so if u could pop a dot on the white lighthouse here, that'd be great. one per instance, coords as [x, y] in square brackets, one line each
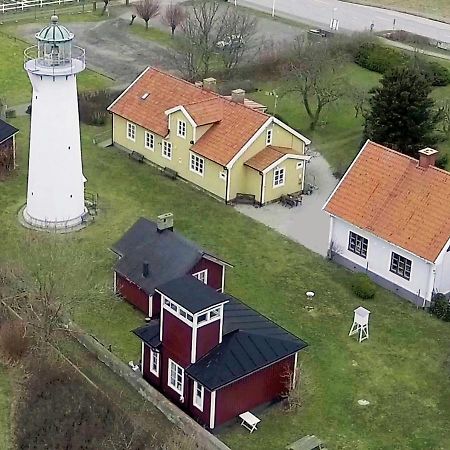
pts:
[55, 195]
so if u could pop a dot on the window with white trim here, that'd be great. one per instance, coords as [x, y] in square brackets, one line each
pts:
[357, 244]
[269, 136]
[278, 177]
[208, 316]
[197, 164]
[202, 276]
[149, 140]
[181, 128]
[167, 149]
[401, 266]
[131, 131]
[178, 310]
[154, 362]
[175, 378]
[199, 395]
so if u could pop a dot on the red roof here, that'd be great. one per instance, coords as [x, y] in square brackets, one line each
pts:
[233, 126]
[267, 156]
[388, 194]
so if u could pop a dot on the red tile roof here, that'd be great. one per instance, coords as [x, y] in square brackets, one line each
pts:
[220, 143]
[388, 194]
[267, 156]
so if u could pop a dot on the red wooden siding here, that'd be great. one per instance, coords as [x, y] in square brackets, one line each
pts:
[168, 391]
[256, 389]
[156, 305]
[132, 293]
[177, 338]
[214, 272]
[149, 376]
[200, 416]
[207, 338]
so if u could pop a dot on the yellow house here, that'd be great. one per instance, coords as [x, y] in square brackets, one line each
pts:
[219, 144]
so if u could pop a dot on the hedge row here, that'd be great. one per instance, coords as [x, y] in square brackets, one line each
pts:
[378, 58]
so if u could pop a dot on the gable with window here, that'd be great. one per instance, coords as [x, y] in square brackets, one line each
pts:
[181, 128]
[202, 276]
[149, 140]
[154, 362]
[131, 131]
[199, 395]
[197, 164]
[279, 177]
[167, 149]
[175, 377]
[357, 244]
[401, 266]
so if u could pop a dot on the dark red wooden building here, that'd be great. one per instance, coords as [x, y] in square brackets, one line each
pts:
[7, 147]
[214, 356]
[152, 253]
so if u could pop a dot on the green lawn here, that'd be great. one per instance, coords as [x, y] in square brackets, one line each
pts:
[154, 34]
[401, 370]
[15, 87]
[5, 408]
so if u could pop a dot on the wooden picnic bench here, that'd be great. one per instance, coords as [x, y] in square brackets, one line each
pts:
[246, 199]
[170, 173]
[249, 421]
[136, 156]
[291, 200]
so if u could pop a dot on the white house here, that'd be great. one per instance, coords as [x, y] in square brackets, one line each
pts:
[390, 217]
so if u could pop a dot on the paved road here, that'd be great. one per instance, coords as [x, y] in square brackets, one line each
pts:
[351, 17]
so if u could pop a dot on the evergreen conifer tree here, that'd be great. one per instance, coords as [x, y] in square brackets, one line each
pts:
[402, 115]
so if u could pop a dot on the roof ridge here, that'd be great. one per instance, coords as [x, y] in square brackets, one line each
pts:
[202, 101]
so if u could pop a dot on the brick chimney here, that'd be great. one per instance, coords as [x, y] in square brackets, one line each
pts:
[427, 157]
[210, 84]
[238, 95]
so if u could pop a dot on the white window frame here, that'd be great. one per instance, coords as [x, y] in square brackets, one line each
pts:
[210, 316]
[167, 145]
[197, 164]
[197, 400]
[269, 136]
[131, 131]
[179, 372]
[154, 354]
[181, 129]
[202, 276]
[357, 244]
[178, 311]
[401, 268]
[279, 170]
[149, 141]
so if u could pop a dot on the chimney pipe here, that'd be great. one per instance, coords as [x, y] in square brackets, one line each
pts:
[238, 96]
[198, 84]
[164, 222]
[210, 84]
[427, 157]
[145, 269]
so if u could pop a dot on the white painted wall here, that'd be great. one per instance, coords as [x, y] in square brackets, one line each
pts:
[442, 283]
[379, 258]
[55, 196]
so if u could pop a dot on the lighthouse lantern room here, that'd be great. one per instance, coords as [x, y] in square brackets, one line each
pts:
[55, 194]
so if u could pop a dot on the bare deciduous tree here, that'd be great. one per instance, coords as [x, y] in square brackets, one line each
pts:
[315, 74]
[173, 16]
[147, 9]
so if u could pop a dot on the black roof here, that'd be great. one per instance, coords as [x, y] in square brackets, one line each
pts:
[192, 294]
[149, 334]
[168, 254]
[251, 341]
[6, 130]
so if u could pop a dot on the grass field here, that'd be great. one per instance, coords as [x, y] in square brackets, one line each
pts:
[15, 87]
[5, 403]
[437, 9]
[401, 370]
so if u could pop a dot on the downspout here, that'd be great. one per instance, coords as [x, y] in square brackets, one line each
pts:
[226, 186]
[262, 189]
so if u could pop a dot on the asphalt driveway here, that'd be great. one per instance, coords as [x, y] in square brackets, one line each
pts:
[306, 223]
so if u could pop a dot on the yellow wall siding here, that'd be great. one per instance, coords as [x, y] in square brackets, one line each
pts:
[181, 154]
[281, 138]
[201, 131]
[292, 181]
[253, 180]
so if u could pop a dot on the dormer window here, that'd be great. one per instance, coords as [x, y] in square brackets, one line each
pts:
[269, 136]
[181, 128]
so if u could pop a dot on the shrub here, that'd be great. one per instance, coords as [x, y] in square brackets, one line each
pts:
[440, 307]
[377, 58]
[14, 341]
[442, 162]
[92, 106]
[363, 286]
